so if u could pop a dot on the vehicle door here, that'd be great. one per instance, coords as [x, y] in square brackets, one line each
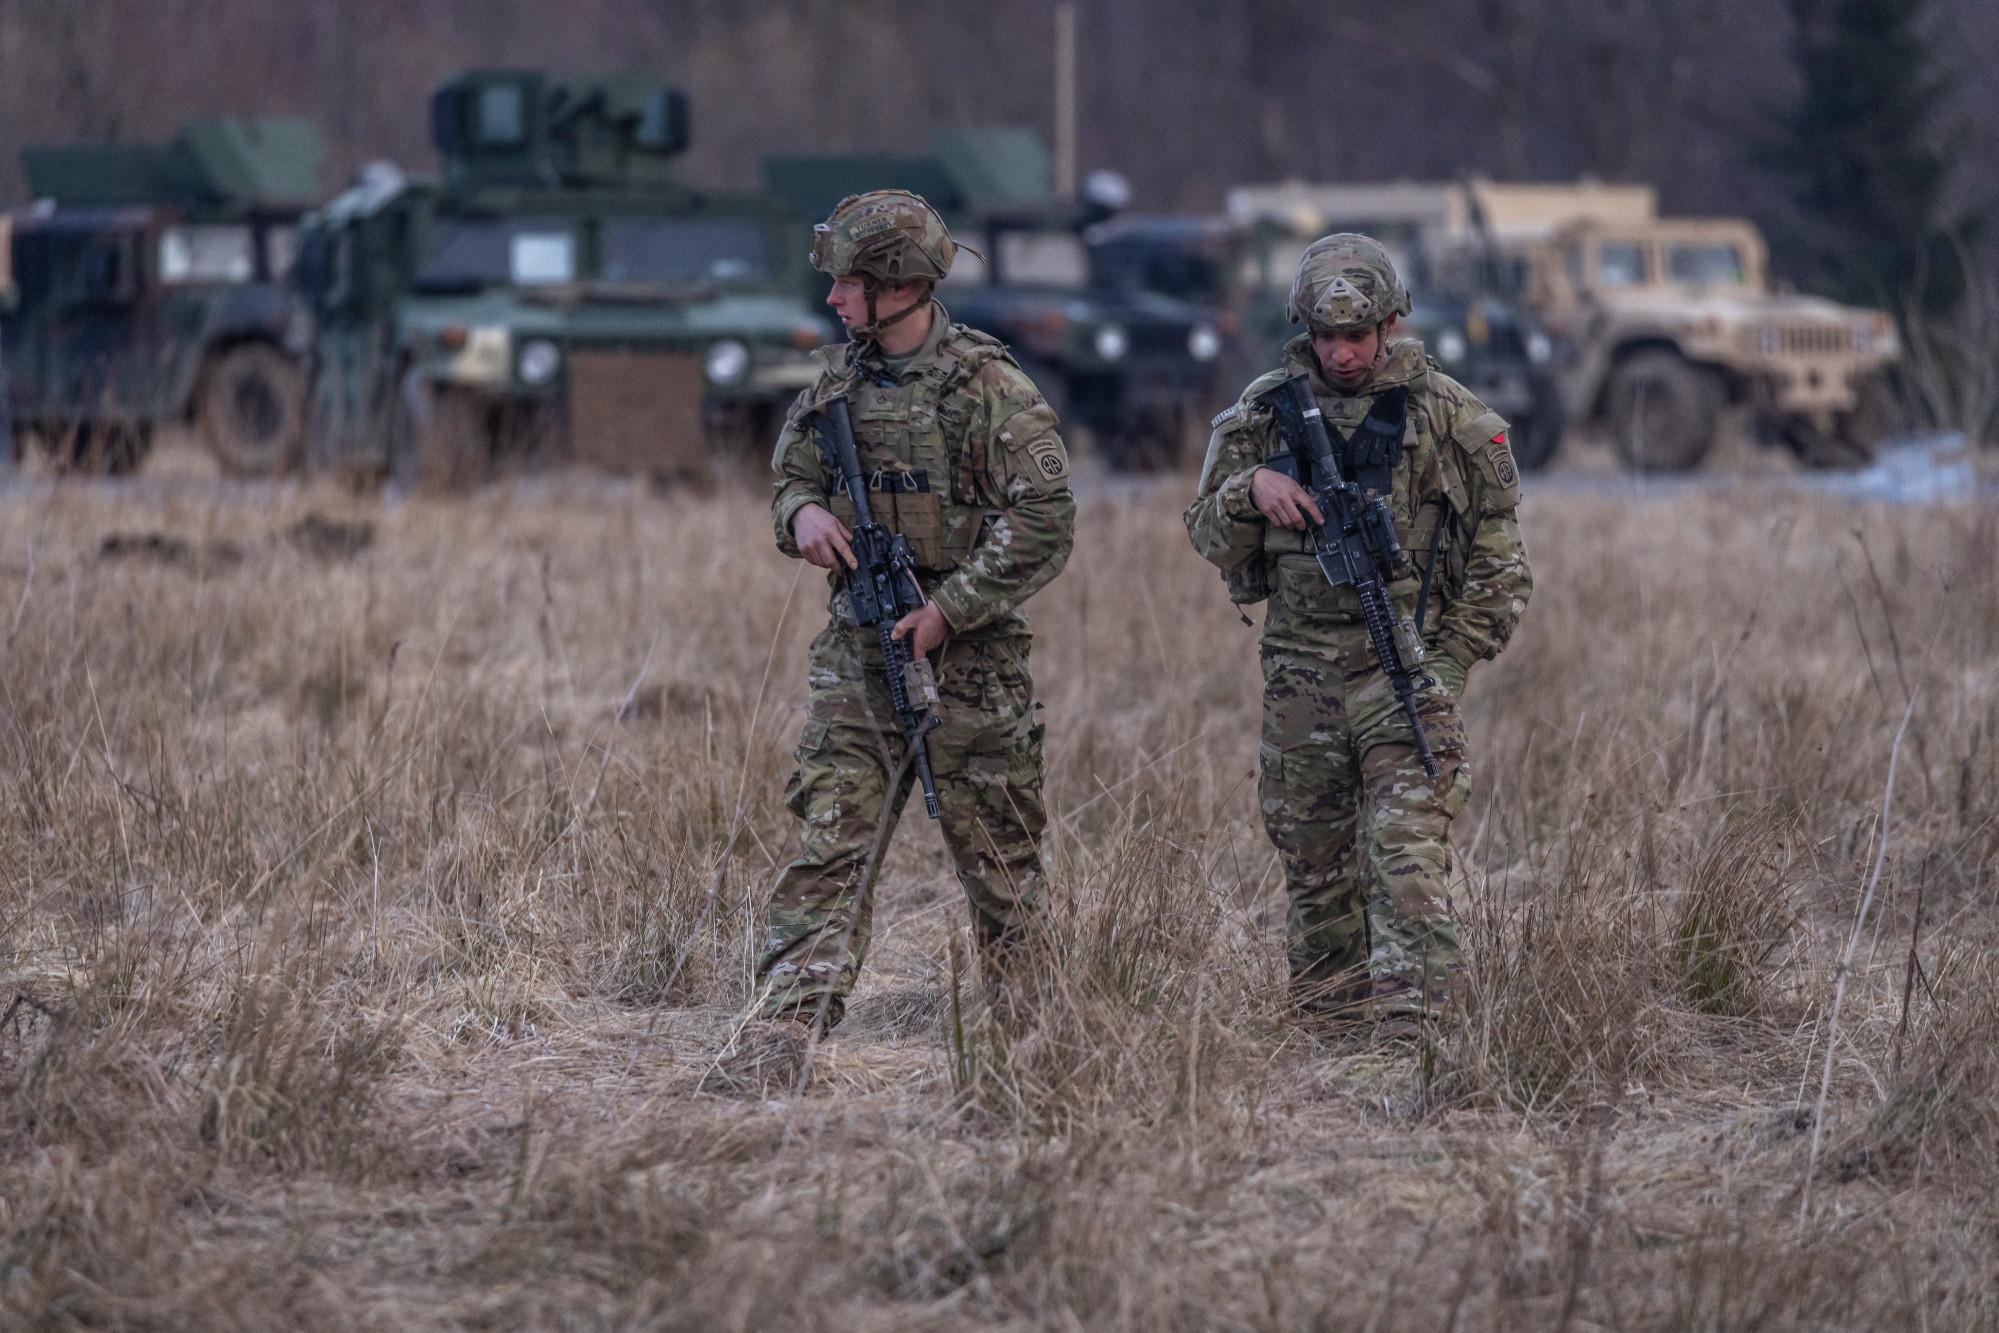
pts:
[83, 354]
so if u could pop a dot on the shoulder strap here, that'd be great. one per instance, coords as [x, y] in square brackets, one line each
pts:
[963, 353]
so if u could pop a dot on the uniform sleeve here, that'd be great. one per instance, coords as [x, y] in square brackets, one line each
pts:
[1223, 522]
[1497, 579]
[795, 462]
[1025, 546]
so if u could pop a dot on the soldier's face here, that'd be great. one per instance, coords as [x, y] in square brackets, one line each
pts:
[1349, 356]
[849, 299]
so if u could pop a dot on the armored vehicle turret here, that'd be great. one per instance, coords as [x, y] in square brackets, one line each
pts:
[555, 293]
[148, 290]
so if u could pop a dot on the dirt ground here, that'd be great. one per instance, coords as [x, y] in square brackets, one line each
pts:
[379, 879]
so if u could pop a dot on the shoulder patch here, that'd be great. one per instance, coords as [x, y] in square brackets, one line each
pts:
[1049, 460]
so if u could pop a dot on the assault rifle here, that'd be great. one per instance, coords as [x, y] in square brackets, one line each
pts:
[882, 591]
[1356, 545]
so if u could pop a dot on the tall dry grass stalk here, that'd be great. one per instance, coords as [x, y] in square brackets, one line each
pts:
[377, 907]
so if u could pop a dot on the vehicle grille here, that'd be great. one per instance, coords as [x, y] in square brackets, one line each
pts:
[1801, 340]
[1504, 342]
[637, 411]
[1164, 340]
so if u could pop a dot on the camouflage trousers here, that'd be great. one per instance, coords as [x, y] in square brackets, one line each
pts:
[985, 754]
[1362, 831]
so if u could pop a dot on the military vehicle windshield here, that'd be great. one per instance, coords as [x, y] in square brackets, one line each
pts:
[685, 250]
[1044, 258]
[1621, 264]
[1706, 263]
[968, 270]
[1185, 273]
[521, 252]
[193, 255]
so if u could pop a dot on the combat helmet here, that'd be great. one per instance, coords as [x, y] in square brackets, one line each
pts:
[1345, 281]
[888, 235]
[883, 236]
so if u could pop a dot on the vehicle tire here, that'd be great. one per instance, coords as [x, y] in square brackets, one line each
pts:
[1854, 435]
[1840, 449]
[252, 411]
[1663, 411]
[1537, 432]
[437, 441]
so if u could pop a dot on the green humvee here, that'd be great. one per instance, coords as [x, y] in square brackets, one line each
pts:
[557, 294]
[147, 290]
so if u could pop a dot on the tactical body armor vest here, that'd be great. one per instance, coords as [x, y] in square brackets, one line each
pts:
[1389, 443]
[928, 469]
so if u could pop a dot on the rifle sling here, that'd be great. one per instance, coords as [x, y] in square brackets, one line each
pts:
[1430, 565]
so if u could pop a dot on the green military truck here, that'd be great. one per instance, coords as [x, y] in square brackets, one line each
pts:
[556, 295]
[1135, 369]
[149, 291]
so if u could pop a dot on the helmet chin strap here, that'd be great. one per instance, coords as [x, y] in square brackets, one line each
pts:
[872, 329]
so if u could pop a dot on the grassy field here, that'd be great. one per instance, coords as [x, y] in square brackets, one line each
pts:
[375, 902]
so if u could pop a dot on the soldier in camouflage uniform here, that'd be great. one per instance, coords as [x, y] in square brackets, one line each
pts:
[1362, 832]
[964, 462]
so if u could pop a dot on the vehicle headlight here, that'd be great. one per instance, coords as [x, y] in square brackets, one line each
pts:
[1112, 342]
[728, 362]
[1540, 348]
[1204, 344]
[1863, 340]
[1771, 341]
[538, 361]
[1451, 346]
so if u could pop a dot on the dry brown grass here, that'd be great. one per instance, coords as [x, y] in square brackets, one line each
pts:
[378, 911]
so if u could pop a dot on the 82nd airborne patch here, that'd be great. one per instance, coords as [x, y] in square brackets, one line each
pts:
[1048, 461]
[1502, 461]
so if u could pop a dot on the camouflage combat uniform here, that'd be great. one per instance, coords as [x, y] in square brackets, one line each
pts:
[1362, 832]
[965, 463]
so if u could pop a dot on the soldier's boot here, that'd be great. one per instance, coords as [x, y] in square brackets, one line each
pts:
[1013, 967]
[1401, 1010]
[766, 1056]
[1329, 1001]
[814, 1014]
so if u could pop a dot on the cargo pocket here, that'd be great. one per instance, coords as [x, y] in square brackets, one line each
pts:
[1303, 592]
[811, 744]
[1004, 772]
[1269, 777]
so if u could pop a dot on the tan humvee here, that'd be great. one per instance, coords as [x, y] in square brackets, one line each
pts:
[1669, 320]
